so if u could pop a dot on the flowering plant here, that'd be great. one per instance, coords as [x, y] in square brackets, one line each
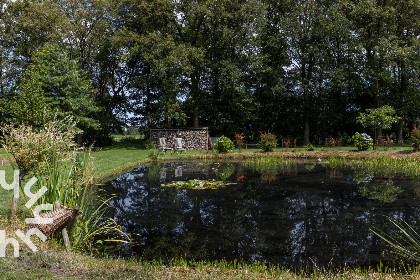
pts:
[197, 184]
[362, 141]
[239, 139]
[223, 144]
[268, 141]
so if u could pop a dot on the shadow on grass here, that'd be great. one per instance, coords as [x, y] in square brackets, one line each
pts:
[407, 152]
[125, 144]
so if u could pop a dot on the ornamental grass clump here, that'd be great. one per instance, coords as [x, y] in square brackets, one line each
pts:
[50, 155]
[34, 149]
[268, 141]
[223, 144]
[362, 141]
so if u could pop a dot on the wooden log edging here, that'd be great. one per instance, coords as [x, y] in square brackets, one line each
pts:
[60, 216]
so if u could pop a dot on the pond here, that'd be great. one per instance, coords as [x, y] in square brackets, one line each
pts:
[300, 214]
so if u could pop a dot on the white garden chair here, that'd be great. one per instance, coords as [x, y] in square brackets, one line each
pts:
[163, 146]
[178, 145]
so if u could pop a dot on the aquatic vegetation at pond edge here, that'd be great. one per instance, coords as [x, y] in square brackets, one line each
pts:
[267, 161]
[269, 166]
[405, 239]
[197, 184]
[384, 164]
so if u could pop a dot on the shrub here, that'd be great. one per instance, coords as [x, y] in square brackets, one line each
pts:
[239, 139]
[309, 147]
[223, 144]
[34, 149]
[362, 141]
[268, 141]
[415, 138]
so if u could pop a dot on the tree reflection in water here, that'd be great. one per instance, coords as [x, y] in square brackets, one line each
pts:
[309, 217]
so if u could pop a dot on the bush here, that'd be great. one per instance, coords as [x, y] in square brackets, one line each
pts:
[239, 139]
[309, 147]
[268, 141]
[34, 149]
[362, 141]
[415, 138]
[223, 144]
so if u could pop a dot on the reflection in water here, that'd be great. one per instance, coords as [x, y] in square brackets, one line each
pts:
[311, 216]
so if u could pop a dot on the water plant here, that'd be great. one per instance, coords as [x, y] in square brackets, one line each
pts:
[197, 184]
[69, 183]
[269, 167]
[404, 239]
[379, 164]
[223, 144]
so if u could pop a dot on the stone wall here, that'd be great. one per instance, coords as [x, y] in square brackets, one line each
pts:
[192, 138]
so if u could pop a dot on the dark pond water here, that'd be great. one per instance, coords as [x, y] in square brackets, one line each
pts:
[301, 215]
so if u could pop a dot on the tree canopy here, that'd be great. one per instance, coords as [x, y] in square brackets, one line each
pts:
[300, 69]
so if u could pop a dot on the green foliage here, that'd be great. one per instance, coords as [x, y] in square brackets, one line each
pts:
[309, 147]
[197, 184]
[228, 64]
[35, 149]
[30, 106]
[268, 167]
[268, 141]
[415, 138]
[362, 141]
[239, 139]
[383, 117]
[404, 239]
[154, 155]
[53, 85]
[223, 144]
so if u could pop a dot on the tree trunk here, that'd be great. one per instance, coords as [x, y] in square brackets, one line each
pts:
[306, 133]
[400, 140]
[195, 95]
[196, 118]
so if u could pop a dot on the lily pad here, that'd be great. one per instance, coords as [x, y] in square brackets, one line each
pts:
[198, 184]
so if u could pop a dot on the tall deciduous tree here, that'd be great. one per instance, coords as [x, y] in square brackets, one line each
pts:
[55, 82]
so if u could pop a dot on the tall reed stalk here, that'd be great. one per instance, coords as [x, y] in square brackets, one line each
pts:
[404, 239]
[69, 181]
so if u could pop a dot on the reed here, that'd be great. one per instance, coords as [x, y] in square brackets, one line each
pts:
[385, 164]
[404, 239]
[69, 181]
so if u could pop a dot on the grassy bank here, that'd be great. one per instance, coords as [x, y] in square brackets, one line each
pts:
[50, 264]
[123, 156]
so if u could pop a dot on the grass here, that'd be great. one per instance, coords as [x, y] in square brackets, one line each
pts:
[128, 153]
[69, 265]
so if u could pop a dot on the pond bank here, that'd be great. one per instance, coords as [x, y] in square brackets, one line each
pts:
[50, 264]
[111, 162]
